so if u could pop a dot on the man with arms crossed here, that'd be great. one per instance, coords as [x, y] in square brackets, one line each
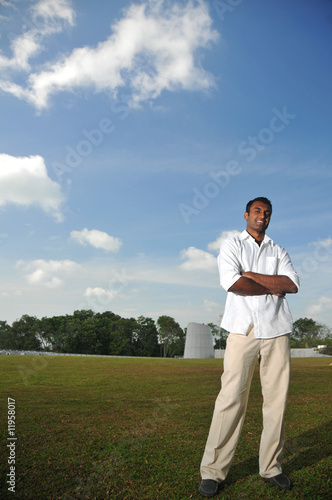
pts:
[257, 274]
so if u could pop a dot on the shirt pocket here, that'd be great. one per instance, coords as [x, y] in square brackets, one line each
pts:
[271, 265]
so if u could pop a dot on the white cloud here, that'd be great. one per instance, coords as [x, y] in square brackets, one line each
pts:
[215, 245]
[198, 260]
[210, 305]
[24, 181]
[46, 273]
[100, 294]
[46, 13]
[96, 238]
[323, 304]
[47, 18]
[151, 49]
[322, 243]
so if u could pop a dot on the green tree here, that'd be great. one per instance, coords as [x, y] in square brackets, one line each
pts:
[104, 326]
[121, 336]
[25, 333]
[328, 342]
[308, 333]
[50, 332]
[7, 340]
[171, 336]
[145, 337]
[219, 336]
[81, 332]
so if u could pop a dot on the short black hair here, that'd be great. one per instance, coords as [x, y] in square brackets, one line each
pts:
[259, 198]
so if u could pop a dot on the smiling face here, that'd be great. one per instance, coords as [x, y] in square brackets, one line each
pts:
[258, 219]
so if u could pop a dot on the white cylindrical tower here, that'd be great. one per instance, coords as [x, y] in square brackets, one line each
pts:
[199, 341]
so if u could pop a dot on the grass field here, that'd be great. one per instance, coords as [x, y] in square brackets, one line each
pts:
[129, 428]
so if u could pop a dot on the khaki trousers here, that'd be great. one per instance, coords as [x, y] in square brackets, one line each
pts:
[239, 362]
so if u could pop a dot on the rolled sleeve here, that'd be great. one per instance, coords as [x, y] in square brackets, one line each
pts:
[228, 264]
[286, 268]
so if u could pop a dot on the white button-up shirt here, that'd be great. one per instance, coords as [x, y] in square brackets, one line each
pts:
[268, 314]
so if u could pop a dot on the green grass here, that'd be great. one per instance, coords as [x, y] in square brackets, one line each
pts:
[126, 428]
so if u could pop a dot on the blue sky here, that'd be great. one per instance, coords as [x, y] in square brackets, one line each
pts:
[132, 135]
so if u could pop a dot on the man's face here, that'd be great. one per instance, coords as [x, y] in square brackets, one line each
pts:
[258, 218]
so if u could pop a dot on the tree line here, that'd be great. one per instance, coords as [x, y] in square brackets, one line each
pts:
[107, 333]
[87, 332]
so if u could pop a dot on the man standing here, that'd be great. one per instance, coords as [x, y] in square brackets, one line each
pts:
[257, 274]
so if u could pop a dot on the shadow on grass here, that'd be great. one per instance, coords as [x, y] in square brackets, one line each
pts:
[302, 451]
[308, 448]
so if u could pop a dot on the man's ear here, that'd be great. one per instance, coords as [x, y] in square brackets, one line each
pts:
[246, 215]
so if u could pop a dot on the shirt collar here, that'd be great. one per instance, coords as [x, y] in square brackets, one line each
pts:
[245, 235]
